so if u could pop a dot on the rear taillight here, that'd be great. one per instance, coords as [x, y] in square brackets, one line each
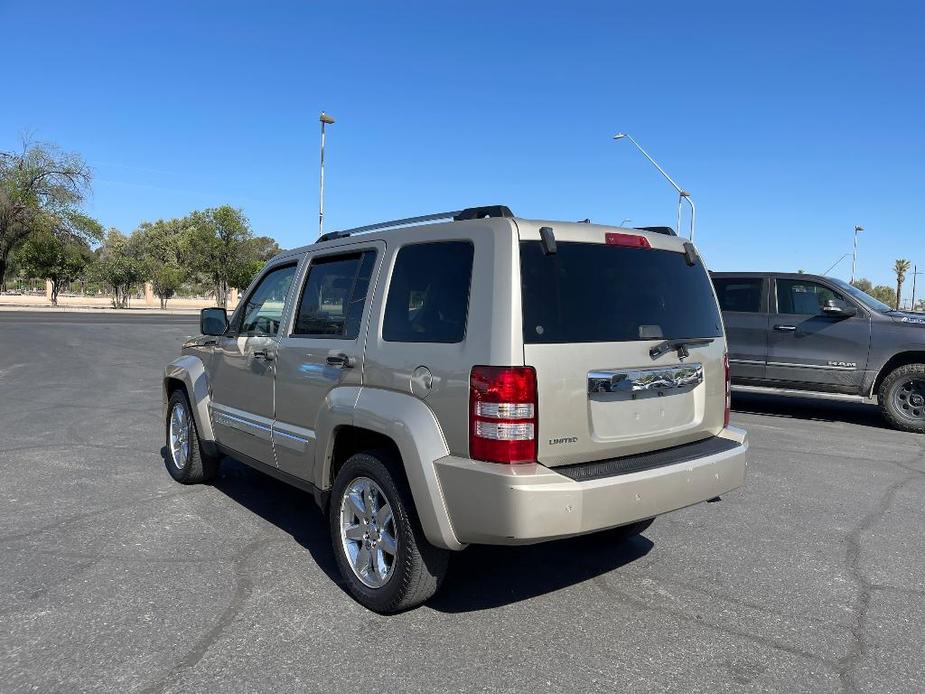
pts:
[614, 238]
[502, 414]
[728, 413]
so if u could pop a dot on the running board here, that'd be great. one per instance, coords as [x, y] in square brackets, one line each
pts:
[793, 392]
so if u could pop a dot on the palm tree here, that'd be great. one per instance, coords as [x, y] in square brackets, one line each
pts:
[900, 268]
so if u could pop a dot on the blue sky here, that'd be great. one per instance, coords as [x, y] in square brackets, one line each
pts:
[790, 122]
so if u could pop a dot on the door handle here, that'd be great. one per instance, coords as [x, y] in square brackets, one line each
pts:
[264, 354]
[785, 328]
[341, 361]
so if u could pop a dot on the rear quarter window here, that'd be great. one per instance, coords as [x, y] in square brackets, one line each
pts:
[739, 294]
[429, 293]
[589, 292]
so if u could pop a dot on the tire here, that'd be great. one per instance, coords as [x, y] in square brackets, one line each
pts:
[387, 581]
[625, 532]
[901, 397]
[188, 464]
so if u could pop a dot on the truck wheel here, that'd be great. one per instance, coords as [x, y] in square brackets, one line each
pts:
[380, 549]
[902, 398]
[625, 532]
[186, 461]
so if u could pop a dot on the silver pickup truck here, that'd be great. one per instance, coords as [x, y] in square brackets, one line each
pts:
[475, 379]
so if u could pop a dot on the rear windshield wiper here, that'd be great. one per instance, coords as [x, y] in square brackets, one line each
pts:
[680, 345]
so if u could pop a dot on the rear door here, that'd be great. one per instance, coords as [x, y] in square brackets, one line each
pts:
[744, 303]
[809, 349]
[592, 312]
[323, 349]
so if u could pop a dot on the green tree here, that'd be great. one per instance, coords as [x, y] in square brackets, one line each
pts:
[119, 264]
[41, 190]
[881, 292]
[220, 245]
[160, 245]
[900, 267]
[50, 257]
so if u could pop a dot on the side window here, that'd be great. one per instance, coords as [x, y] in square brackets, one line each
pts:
[263, 310]
[429, 293]
[334, 295]
[742, 294]
[802, 298]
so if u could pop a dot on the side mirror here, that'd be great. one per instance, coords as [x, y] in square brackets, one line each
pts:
[838, 309]
[213, 321]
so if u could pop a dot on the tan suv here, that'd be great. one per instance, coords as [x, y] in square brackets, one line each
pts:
[484, 379]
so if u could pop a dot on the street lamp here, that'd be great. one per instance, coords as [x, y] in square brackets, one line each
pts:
[854, 254]
[682, 194]
[325, 120]
[915, 273]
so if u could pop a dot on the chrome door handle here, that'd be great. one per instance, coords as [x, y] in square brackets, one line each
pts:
[263, 354]
[341, 361]
[785, 328]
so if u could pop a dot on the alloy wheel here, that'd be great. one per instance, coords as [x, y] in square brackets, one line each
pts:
[909, 398]
[179, 435]
[367, 532]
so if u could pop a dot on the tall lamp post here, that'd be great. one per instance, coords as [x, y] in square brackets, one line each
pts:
[854, 254]
[325, 120]
[915, 273]
[682, 194]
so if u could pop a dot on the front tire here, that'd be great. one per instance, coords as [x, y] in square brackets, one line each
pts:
[386, 562]
[186, 461]
[902, 398]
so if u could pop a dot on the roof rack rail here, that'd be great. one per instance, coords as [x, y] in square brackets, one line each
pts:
[456, 215]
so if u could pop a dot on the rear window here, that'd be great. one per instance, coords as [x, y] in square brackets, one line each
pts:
[740, 294]
[590, 292]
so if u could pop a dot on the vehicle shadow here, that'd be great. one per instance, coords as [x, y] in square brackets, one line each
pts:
[810, 409]
[290, 509]
[481, 577]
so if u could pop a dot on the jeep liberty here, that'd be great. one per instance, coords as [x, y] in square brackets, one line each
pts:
[463, 378]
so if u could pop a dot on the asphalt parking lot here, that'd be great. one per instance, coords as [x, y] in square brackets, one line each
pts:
[113, 578]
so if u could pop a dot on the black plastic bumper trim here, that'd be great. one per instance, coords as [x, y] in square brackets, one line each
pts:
[598, 469]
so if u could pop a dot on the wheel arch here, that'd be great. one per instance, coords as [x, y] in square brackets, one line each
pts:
[405, 426]
[188, 372]
[904, 358]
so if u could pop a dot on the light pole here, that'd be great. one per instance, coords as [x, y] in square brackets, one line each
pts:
[682, 194]
[325, 120]
[915, 273]
[854, 254]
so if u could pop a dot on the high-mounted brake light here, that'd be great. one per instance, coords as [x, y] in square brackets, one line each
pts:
[502, 414]
[728, 413]
[613, 238]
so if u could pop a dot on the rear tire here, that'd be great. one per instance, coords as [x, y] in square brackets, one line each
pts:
[186, 460]
[386, 562]
[901, 397]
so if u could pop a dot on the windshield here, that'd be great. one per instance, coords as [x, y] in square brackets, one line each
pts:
[589, 292]
[863, 297]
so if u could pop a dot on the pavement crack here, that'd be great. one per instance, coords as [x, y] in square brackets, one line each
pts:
[96, 512]
[636, 602]
[858, 647]
[243, 588]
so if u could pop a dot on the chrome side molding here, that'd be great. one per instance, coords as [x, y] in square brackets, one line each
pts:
[645, 379]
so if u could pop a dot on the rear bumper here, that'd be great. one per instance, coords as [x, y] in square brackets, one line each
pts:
[490, 503]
